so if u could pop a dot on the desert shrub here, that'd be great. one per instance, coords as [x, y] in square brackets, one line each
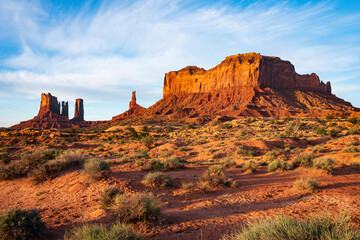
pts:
[334, 132]
[187, 185]
[244, 152]
[117, 231]
[213, 177]
[4, 157]
[303, 160]
[329, 117]
[19, 224]
[13, 170]
[353, 120]
[172, 163]
[137, 207]
[353, 131]
[158, 179]
[278, 165]
[292, 129]
[93, 168]
[133, 132]
[108, 195]
[250, 165]
[286, 228]
[148, 141]
[153, 165]
[64, 161]
[351, 149]
[318, 148]
[320, 131]
[141, 154]
[190, 126]
[228, 162]
[324, 163]
[34, 158]
[306, 183]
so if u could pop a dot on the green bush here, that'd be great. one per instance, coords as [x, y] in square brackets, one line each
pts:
[118, 231]
[250, 165]
[303, 160]
[19, 224]
[324, 163]
[108, 195]
[278, 165]
[137, 207]
[158, 179]
[93, 168]
[351, 149]
[320, 131]
[306, 183]
[13, 170]
[353, 120]
[286, 228]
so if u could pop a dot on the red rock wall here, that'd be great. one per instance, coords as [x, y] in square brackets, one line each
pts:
[250, 70]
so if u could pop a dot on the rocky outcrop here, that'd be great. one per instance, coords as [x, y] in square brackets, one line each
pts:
[134, 109]
[79, 110]
[242, 71]
[54, 115]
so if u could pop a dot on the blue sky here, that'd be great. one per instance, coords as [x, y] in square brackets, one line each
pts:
[102, 50]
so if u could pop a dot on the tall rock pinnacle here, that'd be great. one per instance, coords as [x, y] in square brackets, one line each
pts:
[79, 110]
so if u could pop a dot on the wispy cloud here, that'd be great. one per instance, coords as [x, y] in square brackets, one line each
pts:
[123, 45]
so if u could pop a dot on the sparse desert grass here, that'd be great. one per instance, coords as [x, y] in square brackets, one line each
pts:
[244, 152]
[21, 224]
[137, 207]
[108, 195]
[117, 231]
[278, 165]
[158, 179]
[306, 184]
[93, 168]
[287, 228]
[187, 185]
[324, 163]
[250, 165]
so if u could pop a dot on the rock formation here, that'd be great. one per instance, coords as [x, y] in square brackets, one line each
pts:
[65, 109]
[54, 115]
[134, 109]
[79, 110]
[246, 85]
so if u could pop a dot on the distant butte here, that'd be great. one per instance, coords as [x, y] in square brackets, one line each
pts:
[242, 85]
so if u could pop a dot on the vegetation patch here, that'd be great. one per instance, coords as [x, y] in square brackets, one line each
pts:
[117, 231]
[306, 184]
[158, 179]
[21, 224]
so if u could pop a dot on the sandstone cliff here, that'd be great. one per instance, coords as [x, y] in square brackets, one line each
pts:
[242, 71]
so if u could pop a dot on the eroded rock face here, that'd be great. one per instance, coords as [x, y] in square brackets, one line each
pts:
[242, 71]
[65, 109]
[134, 109]
[49, 103]
[132, 103]
[79, 110]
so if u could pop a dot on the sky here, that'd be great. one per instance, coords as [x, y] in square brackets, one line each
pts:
[100, 51]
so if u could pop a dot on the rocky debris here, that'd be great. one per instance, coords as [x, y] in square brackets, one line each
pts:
[79, 110]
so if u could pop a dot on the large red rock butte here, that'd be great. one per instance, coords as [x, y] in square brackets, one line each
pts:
[246, 85]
